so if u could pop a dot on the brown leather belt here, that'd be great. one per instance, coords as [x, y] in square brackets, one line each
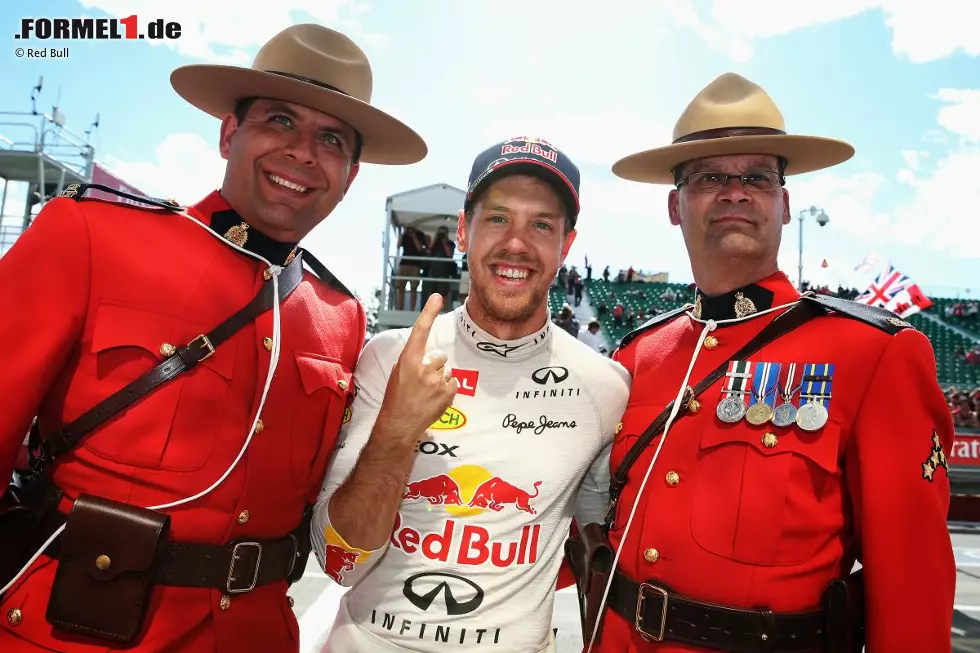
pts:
[233, 568]
[658, 614]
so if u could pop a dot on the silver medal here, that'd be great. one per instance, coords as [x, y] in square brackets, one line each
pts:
[784, 415]
[811, 416]
[731, 409]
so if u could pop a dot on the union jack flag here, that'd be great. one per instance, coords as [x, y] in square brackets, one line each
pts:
[895, 291]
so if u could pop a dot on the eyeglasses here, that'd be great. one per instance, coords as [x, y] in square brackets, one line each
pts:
[712, 182]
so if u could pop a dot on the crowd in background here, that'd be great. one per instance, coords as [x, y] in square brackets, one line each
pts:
[965, 407]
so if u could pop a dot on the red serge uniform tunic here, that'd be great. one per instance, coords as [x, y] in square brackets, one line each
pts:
[90, 294]
[761, 516]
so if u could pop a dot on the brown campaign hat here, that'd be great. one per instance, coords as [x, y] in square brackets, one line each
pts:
[313, 66]
[732, 116]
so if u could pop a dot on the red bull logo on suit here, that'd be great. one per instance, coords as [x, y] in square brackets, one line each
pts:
[468, 491]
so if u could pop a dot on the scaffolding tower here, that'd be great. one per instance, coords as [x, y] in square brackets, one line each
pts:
[37, 149]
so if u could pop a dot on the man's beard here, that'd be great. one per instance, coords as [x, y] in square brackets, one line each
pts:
[506, 310]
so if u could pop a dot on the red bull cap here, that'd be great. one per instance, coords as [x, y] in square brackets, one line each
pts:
[526, 155]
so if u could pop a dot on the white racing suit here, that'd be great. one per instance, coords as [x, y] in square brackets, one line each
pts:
[474, 555]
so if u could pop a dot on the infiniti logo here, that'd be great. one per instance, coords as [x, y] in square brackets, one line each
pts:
[555, 373]
[445, 587]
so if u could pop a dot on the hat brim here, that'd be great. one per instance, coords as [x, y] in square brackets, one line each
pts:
[216, 89]
[803, 153]
[545, 173]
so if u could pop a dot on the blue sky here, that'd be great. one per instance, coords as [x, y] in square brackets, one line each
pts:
[899, 79]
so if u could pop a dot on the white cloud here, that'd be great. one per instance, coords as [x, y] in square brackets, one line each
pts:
[184, 166]
[939, 214]
[229, 31]
[962, 113]
[921, 31]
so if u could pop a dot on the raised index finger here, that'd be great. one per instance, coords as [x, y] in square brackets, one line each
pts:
[415, 347]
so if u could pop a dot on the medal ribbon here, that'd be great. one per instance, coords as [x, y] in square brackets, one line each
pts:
[817, 382]
[764, 383]
[787, 376]
[737, 379]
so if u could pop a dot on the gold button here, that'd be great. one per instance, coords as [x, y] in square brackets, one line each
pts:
[342, 384]
[267, 274]
[619, 427]
[769, 440]
[14, 617]
[673, 478]
[225, 602]
[103, 562]
[710, 342]
[243, 517]
[267, 343]
[259, 427]
[166, 349]
[651, 555]
[291, 601]
[694, 406]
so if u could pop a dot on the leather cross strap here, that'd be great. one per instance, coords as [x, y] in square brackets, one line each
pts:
[185, 358]
[659, 614]
[791, 319]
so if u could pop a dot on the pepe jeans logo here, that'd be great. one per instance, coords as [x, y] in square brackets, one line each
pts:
[543, 424]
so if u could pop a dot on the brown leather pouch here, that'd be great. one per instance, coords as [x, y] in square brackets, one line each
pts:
[105, 571]
[590, 558]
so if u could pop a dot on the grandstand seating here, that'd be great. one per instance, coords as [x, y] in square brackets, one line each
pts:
[556, 299]
[971, 324]
[951, 371]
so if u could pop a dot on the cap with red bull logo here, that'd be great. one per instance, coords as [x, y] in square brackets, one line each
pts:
[528, 155]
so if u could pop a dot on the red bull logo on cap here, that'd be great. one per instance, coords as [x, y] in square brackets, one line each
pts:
[530, 139]
[530, 148]
[468, 491]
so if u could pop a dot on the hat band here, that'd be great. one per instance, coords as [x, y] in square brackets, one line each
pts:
[308, 81]
[729, 132]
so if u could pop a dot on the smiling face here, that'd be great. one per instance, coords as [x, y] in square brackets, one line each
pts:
[740, 224]
[288, 166]
[516, 240]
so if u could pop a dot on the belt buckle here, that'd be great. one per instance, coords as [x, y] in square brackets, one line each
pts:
[640, 598]
[231, 568]
[202, 342]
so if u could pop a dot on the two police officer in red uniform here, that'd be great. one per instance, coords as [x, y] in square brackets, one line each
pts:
[189, 370]
[739, 523]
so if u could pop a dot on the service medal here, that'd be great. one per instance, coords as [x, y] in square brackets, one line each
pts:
[812, 416]
[758, 413]
[784, 415]
[731, 409]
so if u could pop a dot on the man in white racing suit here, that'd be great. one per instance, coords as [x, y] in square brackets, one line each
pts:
[473, 438]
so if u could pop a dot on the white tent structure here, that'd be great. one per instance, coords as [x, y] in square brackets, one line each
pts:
[425, 209]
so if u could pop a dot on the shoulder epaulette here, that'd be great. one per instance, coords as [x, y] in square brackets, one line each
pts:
[325, 275]
[876, 316]
[77, 193]
[652, 322]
